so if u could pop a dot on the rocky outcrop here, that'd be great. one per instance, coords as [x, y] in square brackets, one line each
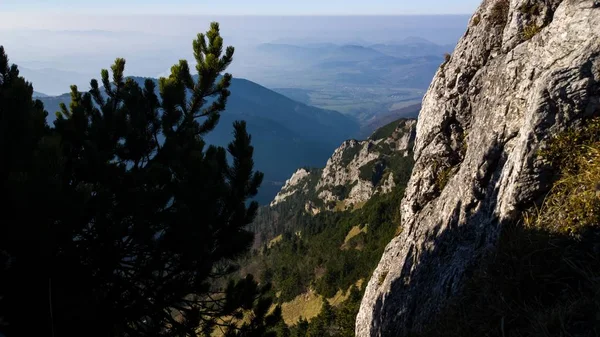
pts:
[291, 186]
[354, 173]
[355, 165]
[523, 71]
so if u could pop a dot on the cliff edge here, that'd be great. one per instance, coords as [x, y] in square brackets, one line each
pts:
[523, 71]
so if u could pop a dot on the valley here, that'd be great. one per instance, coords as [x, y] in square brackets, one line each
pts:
[319, 239]
[339, 92]
[298, 173]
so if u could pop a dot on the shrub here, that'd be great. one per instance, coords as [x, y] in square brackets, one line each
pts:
[530, 31]
[499, 13]
[476, 20]
[387, 130]
[447, 58]
[367, 170]
[530, 9]
[372, 171]
[444, 173]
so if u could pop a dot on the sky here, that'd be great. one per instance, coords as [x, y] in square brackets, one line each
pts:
[242, 7]
[53, 40]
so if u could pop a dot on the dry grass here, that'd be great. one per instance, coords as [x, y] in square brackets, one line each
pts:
[359, 205]
[342, 296]
[275, 240]
[530, 31]
[339, 298]
[574, 201]
[382, 277]
[307, 305]
[399, 230]
[354, 231]
[544, 278]
[340, 206]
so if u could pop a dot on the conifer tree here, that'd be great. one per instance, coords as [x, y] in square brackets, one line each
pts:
[125, 217]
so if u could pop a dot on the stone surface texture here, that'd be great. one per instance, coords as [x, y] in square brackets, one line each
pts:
[518, 76]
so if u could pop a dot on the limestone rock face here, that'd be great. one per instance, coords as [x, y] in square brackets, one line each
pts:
[290, 187]
[354, 173]
[523, 71]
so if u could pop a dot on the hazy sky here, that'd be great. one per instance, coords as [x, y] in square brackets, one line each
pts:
[69, 40]
[243, 7]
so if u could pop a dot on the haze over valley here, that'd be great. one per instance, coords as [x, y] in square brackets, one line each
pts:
[352, 73]
[268, 168]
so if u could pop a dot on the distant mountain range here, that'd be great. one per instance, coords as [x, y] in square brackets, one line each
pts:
[39, 94]
[409, 63]
[377, 121]
[54, 81]
[286, 134]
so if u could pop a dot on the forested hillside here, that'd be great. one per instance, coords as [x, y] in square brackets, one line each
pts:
[321, 237]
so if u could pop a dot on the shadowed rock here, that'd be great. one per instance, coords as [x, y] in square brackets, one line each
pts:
[518, 76]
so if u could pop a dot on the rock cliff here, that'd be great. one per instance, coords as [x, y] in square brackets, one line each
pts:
[523, 71]
[356, 171]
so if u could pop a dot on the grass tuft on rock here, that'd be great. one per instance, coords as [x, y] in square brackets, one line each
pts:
[543, 279]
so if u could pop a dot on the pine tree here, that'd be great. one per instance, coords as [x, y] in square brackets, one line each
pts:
[301, 328]
[133, 216]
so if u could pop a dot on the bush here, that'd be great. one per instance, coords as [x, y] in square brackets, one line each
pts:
[499, 14]
[530, 9]
[447, 58]
[530, 31]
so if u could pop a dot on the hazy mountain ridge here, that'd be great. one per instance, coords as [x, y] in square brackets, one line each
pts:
[368, 63]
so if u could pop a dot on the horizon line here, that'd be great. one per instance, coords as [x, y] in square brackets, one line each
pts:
[235, 15]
